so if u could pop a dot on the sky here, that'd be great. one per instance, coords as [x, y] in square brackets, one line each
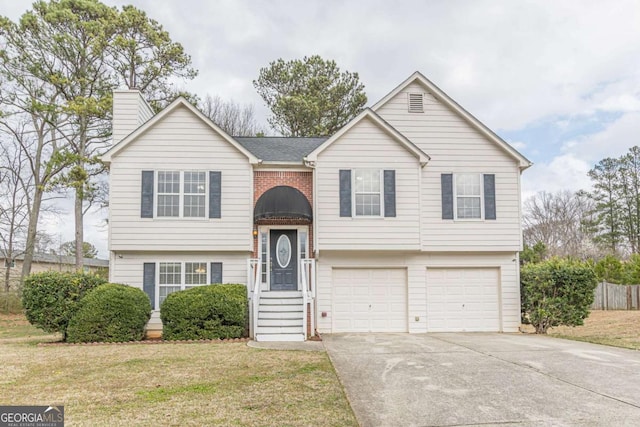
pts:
[558, 80]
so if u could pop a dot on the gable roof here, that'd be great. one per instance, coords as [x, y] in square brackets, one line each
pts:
[464, 114]
[390, 130]
[60, 259]
[280, 149]
[115, 149]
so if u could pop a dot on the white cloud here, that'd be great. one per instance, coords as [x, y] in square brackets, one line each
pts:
[563, 172]
[613, 141]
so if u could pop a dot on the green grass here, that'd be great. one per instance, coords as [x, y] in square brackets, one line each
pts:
[16, 326]
[211, 384]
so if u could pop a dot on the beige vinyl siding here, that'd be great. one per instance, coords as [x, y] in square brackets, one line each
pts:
[456, 147]
[417, 266]
[127, 268]
[366, 146]
[130, 112]
[180, 142]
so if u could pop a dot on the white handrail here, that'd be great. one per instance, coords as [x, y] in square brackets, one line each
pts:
[307, 266]
[255, 280]
[303, 279]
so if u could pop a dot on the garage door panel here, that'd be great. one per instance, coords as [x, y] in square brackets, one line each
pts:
[369, 300]
[463, 299]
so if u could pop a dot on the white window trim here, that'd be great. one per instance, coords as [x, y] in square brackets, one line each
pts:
[353, 193]
[181, 195]
[183, 276]
[455, 197]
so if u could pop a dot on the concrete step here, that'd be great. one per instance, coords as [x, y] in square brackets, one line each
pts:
[279, 322]
[279, 337]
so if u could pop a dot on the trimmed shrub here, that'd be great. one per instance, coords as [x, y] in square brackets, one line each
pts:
[50, 299]
[110, 313]
[556, 292]
[205, 312]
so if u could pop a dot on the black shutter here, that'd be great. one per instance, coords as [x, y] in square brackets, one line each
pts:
[216, 272]
[390, 193]
[345, 193]
[215, 194]
[489, 196]
[146, 201]
[149, 282]
[446, 182]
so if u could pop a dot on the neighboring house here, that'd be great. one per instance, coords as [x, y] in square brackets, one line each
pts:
[50, 262]
[405, 220]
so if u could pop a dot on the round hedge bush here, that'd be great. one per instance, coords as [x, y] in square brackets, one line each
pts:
[51, 299]
[110, 313]
[205, 312]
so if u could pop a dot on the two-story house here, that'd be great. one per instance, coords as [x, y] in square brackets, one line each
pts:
[408, 219]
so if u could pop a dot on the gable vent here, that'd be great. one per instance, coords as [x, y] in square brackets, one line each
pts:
[416, 103]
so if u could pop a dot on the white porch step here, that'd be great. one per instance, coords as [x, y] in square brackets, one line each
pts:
[279, 337]
[279, 330]
[279, 308]
[281, 301]
[279, 322]
[278, 314]
[281, 294]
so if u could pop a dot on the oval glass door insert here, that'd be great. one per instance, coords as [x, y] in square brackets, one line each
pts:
[283, 251]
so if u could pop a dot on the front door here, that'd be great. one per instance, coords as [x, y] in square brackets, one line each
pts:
[284, 260]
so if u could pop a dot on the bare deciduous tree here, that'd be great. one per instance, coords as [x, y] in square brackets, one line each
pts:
[561, 221]
[234, 119]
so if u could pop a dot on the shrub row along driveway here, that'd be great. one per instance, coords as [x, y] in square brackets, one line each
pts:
[469, 379]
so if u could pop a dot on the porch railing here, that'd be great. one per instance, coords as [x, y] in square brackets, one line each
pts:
[254, 275]
[308, 288]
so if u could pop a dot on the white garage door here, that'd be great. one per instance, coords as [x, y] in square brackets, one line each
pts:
[463, 299]
[369, 300]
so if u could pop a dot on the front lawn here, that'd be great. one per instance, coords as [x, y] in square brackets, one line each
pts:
[171, 384]
[617, 328]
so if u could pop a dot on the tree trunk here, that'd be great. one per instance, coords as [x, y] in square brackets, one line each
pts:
[79, 229]
[7, 275]
[31, 233]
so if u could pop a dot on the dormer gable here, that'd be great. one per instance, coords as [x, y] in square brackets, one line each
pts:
[415, 105]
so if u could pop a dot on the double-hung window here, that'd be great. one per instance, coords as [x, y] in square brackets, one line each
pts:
[194, 196]
[368, 192]
[169, 193]
[177, 276]
[468, 196]
[181, 194]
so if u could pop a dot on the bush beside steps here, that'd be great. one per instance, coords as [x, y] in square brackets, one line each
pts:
[205, 313]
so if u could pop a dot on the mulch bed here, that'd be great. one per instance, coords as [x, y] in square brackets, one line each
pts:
[144, 342]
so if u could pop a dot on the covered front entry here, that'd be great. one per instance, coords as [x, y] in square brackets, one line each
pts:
[369, 299]
[284, 260]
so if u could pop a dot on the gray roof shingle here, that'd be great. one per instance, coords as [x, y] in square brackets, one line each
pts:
[280, 149]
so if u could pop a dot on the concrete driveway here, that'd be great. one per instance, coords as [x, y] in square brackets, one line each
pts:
[485, 379]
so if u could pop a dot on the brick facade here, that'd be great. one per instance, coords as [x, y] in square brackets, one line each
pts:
[266, 180]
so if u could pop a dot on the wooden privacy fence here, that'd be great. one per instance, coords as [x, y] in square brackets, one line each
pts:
[609, 296]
